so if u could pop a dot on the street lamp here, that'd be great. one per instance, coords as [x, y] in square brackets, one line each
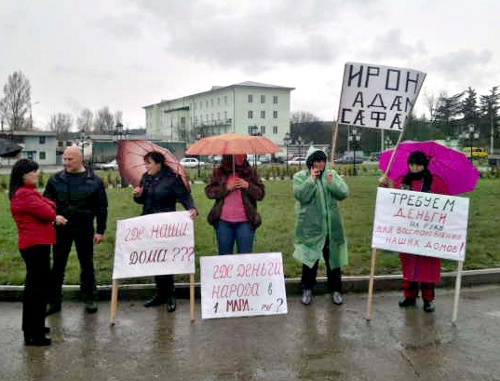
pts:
[469, 134]
[354, 139]
[286, 141]
[82, 137]
[300, 142]
[118, 135]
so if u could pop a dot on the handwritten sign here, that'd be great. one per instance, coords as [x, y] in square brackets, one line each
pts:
[421, 223]
[155, 244]
[242, 285]
[378, 96]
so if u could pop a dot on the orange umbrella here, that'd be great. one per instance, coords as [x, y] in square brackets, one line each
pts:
[131, 160]
[232, 144]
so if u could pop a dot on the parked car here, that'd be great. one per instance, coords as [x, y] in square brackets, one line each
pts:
[110, 166]
[264, 159]
[191, 162]
[477, 152]
[349, 160]
[297, 160]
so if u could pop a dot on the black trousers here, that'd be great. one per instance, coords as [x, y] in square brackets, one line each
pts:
[37, 259]
[165, 285]
[333, 276]
[85, 251]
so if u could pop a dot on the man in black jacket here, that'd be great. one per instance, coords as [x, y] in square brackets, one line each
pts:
[80, 197]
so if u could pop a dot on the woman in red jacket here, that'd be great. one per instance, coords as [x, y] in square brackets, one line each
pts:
[419, 270]
[34, 216]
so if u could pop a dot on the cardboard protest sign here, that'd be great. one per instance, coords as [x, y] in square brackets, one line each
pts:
[242, 285]
[155, 244]
[427, 224]
[378, 96]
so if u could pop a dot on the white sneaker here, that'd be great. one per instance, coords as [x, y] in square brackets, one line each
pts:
[307, 297]
[337, 298]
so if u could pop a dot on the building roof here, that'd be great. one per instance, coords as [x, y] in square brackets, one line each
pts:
[218, 88]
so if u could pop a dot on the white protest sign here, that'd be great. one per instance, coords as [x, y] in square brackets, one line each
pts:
[155, 244]
[427, 224]
[378, 96]
[242, 285]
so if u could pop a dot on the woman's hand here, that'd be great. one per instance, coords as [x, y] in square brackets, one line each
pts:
[61, 220]
[193, 213]
[242, 184]
[137, 191]
[384, 181]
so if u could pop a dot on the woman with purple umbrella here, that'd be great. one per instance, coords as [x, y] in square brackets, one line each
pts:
[417, 269]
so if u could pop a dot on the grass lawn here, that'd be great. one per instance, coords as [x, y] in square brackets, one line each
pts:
[276, 233]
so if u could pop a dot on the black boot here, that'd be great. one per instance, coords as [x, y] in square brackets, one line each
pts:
[37, 341]
[171, 303]
[429, 306]
[157, 300]
[407, 302]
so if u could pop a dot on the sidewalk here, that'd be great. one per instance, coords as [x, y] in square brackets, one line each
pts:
[350, 284]
[314, 343]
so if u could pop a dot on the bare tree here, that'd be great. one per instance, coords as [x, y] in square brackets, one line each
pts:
[104, 122]
[61, 123]
[302, 117]
[85, 120]
[17, 101]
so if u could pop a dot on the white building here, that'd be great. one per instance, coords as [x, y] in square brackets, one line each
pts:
[37, 145]
[245, 108]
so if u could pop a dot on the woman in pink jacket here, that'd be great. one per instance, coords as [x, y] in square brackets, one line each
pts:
[35, 216]
[418, 269]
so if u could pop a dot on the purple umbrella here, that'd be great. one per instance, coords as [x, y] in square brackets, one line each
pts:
[452, 166]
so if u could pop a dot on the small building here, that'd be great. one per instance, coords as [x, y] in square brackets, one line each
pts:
[37, 145]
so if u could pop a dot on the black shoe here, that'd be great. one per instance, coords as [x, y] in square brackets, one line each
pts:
[156, 301]
[171, 303]
[407, 302]
[337, 298]
[307, 297]
[37, 341]
[53, 308]
[91, 307]
[429, 306]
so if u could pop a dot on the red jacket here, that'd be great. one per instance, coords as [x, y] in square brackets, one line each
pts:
[34, 216]
[419, 268]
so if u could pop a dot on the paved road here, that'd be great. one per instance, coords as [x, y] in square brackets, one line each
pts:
[319, 342]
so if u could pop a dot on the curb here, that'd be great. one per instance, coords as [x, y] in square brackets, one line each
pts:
[470, 278]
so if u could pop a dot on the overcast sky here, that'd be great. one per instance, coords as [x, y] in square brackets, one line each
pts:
[127, 54]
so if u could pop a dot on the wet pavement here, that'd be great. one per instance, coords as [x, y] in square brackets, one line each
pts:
[318, 342]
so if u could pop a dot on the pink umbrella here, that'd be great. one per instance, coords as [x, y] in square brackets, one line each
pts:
[131, 160]
[452, 166]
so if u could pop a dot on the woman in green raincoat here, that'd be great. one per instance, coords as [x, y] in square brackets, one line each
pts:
[318, 225]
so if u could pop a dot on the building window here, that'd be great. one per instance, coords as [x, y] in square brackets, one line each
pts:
[262, 99]
[250, 114]
[250, 98]
[41, 139]
[206, 103]
[275, 130]
[60, 144]
[42, 155]
[263, 114]
[275, 99]
[225, 99]
[212, 102]
[218, 101]
[225, 115]
[218, 116]
[262, 130]
[201, 105]
[275, 114]
[68, 144]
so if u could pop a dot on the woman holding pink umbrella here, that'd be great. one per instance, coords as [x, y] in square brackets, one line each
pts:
[419, 270]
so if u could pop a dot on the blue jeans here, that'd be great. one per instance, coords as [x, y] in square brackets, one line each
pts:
[230, 232]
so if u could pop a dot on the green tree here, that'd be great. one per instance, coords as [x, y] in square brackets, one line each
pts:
[16, 101]
[490, 120]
